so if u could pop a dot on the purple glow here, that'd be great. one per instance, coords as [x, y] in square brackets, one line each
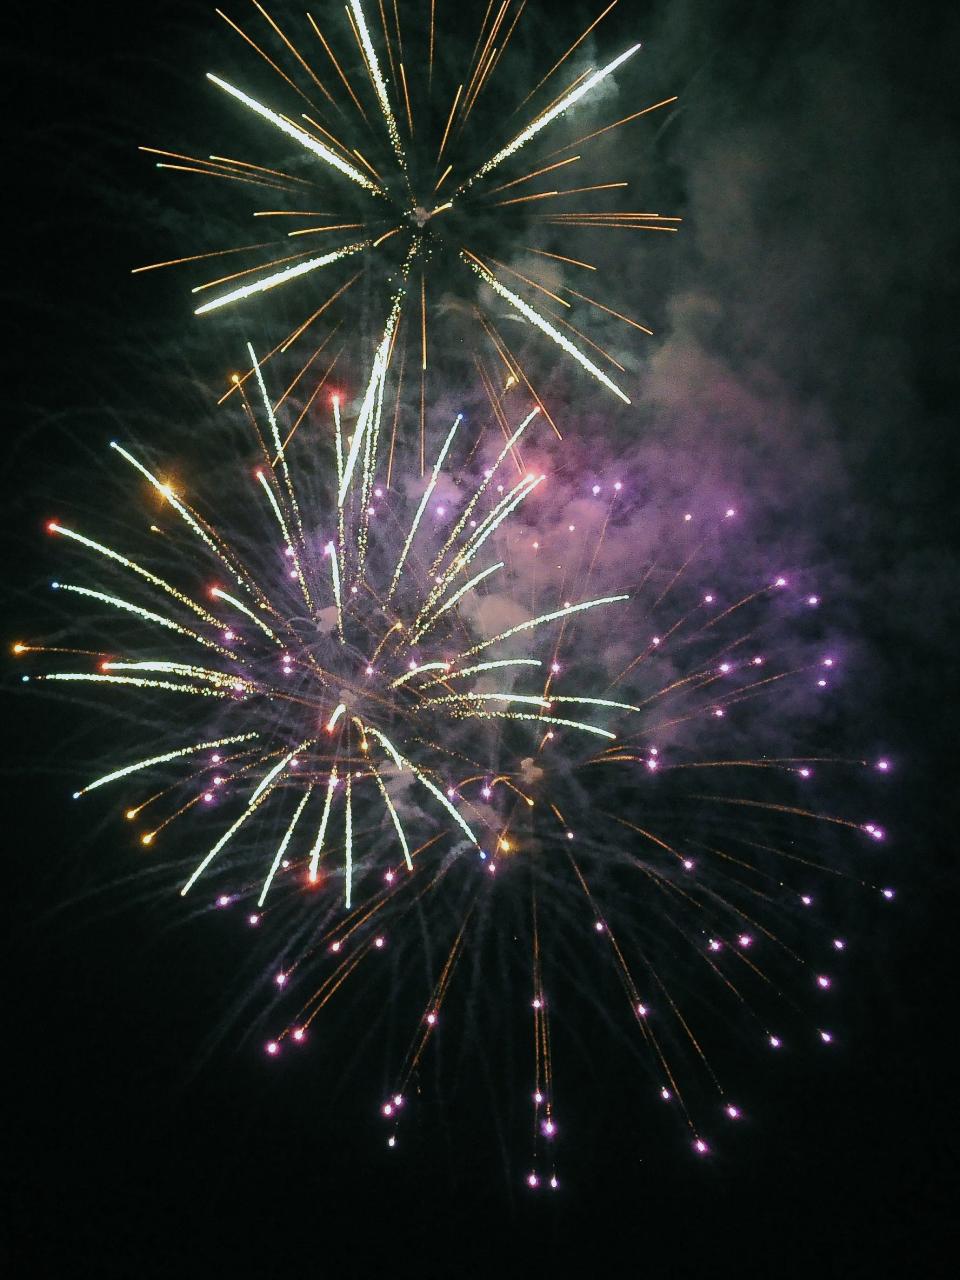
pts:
[642, 1010]
[533, 1180]
[700, 1147]
[254, 919]
[665, 1094]
[883, 765]
[745, 940]
[538, 1097]
[826, 1037]
[714, 945]
[549, 1128]
[775, 1042]
[732, 1111]
[273, 1048]
[553, 1181]
[887, 893]
[823, 981]
[839, 944]
[806, 899]
[813, 600]
[280, 979]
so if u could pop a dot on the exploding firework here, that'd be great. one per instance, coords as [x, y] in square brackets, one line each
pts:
[443, 701]
[414, 196]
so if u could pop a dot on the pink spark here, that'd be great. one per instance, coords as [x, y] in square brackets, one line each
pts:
[665, 1094]
[223, 901]
[378, 493]
[651, 764]
[730, 511]
[387, 1109]
[553, 1181]
[555, 668]
[538, 1097]
[389, 877]
[804, 773]
[724, 667]
[398, 1099]
[538, 1003]
[485, 793]
[732, 1111]
[380, 942]
[298, 1034]
[208, 796]
[533, 1180]
[549, 1128]
[369, 671]
[823, 981]
[596, 490]
[598, 926]
[883, 765]
[688, 864]
[806, 899]
[887, 893]
[617, 485]
[700, 1147]
[253, 919]
[391, 1141]
[718, 712]
[688, 516]
[826, 1037]
[335, 946]
[714, 945]
[745, 940]
[642, 1010]
[431, 1019]
[780, 582]
[708, 599]
[280, 979]
[813, 600]
[839, 944]
[273, 1048]
[215, 757]
[775, 1042]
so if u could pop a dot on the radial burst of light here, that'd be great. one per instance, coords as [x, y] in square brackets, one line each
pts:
[380, 153]
[369, 726]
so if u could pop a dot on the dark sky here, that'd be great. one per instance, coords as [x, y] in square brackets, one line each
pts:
[806, 357]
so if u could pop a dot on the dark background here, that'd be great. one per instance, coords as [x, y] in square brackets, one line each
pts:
[138, 1142]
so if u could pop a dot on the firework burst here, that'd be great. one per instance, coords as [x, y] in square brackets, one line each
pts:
[412, 197]
[442, 701]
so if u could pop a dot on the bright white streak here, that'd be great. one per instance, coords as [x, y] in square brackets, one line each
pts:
[544, 617]
[137, 683]
[532, 700]
[318, 843]
[570, 724]
[167, 756]
[348, 849]
[378, 80]
[282, 849]
[402, 763]
[152, 578]
[557, 109]
[338, 712]
[298, 135]
[408, 675]
[596, 702]
[166, 492]
[396, 820]
[272, 773]
[486, 666]
[462, 522]
[278, 448]
[141, 613]
[222, 595]
[335, 575]
[431, 622]
[546, 327]
[435, 474]
[281, 277]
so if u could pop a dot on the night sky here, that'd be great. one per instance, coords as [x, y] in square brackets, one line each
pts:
[806, 362]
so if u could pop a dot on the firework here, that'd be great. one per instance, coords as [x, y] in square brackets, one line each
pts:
[441, 699]
[412, 195]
